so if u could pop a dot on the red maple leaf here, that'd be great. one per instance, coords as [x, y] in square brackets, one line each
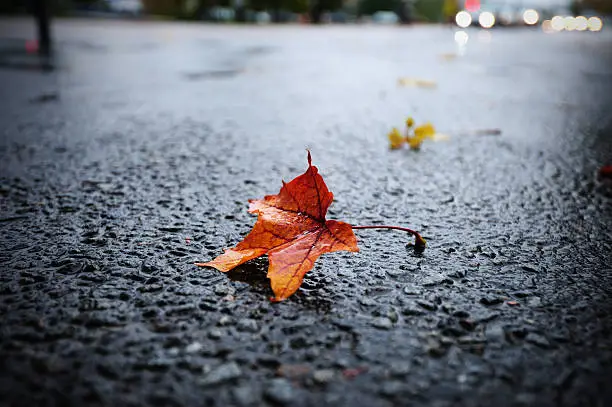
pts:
[292, 230]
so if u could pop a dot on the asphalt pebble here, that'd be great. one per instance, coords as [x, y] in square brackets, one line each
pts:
[215, 334]
[488, 301]
[279, 390]
[401, 368]
[225, 320]
[245, 396]
[382, 323]
[323, 376]
[223, 289]
[538, 340]
[247, 325]
[194, 347]
[223, 373]
[428, 305]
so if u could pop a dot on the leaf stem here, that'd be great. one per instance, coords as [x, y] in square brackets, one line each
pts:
[419, 242]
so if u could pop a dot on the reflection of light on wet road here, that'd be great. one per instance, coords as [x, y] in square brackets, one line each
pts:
[530, 16]
[461, 38]
[595, 24]
[463, 19]
[581, 23]
[486, 19]
[484, 36]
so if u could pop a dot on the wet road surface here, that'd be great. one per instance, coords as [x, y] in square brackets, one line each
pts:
[135, 157]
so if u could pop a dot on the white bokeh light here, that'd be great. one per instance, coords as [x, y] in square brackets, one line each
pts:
[581, 23]
[463, 19]
[595, 24]
[557, 23]
[531, 17]
[486, 19]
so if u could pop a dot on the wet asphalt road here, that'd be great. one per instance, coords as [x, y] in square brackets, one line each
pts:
[136, 156]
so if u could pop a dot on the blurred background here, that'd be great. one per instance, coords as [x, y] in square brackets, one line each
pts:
[486, 13]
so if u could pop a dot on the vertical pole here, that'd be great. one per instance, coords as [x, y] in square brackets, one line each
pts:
[41, 11]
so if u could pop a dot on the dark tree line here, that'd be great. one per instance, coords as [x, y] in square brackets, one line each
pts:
[314, 8]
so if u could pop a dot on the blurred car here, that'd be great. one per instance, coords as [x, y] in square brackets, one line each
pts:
[508, 16]
[127, 7]
[385, 17]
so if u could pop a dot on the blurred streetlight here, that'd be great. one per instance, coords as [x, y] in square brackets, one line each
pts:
[581, 23]
[530, 16]
[595, 24]
[569, 23]
[463, 19]
[557, 23]
[486, 19]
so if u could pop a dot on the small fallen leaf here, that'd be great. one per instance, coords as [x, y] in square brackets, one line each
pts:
[396, 140]
[413, 136]
[352, 373]
[417, 83]
[421, 133]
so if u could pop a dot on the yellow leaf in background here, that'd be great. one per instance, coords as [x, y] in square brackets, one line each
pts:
[414, 136]
[395, 139]
[440, 137]
[427, 130]
[448, 57]
[415, 142]
[419, 83]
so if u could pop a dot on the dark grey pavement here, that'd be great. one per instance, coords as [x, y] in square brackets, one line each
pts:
[136, 155]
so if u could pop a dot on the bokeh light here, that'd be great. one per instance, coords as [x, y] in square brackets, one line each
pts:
[486, 19]
[31, 46]
[557, 23]
[569, 23]
[595, 24]
[461, 37]
[581, 23]
[463, 19]
[530, 16]
[547, 26]
[472, 5]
